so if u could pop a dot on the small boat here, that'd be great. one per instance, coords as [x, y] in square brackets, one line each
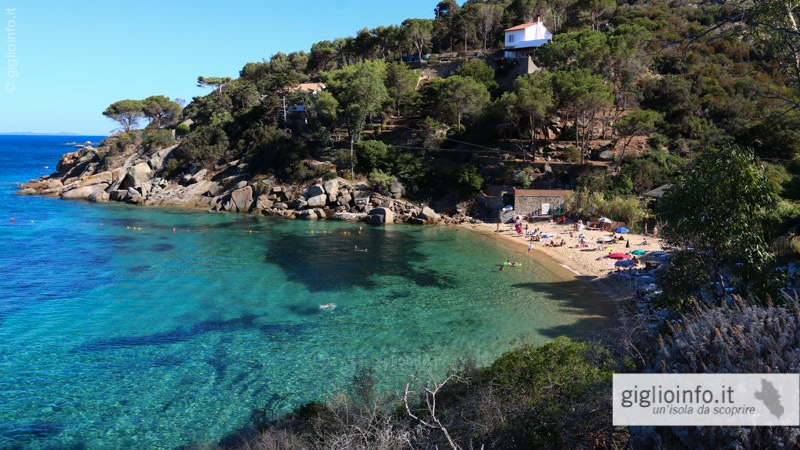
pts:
[327, 306]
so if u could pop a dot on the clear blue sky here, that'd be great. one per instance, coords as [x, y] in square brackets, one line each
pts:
[65, 62]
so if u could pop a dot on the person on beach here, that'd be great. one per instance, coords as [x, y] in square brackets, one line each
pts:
[530, 247]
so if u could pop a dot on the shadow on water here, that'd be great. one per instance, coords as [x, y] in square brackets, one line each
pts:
[183, 334]
[324, 262]
[579, 297]
[28, 432]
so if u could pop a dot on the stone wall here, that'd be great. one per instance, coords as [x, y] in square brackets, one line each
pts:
[524, 204]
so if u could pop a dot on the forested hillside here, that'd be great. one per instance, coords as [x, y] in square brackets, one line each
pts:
[437, 93]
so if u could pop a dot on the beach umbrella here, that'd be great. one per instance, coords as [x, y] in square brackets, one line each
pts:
[581, 235]
[617, 255]
[624, 263]
[605, 220]
[639, 251]
[621, 230]
[602, 239]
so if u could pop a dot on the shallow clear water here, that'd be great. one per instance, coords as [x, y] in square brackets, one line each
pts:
[117, 331]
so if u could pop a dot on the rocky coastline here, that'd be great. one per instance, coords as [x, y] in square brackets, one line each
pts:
[134, 175]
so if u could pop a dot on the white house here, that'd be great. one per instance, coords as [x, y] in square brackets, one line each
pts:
[522, 39]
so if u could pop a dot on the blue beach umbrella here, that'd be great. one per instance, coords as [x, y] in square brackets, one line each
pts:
[621, 230]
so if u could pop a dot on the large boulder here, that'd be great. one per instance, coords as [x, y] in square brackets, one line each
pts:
[134, 196]
[140, 173]
[156, 162]
[344, 199]
[83, 192]
[241, 200]
[317, 201]
[98, 197]
[331, 188]
[263, 202]
[98, 178]
[397, 189]
[380, 216]
[308, 214]
[314, 191]
[118, 195]
[299, 203]
[428, 215]
[199, 176]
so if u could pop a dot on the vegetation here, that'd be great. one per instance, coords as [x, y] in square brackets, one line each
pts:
[715, 215]
[700, 95]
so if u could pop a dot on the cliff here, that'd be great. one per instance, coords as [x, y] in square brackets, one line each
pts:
[135, 175]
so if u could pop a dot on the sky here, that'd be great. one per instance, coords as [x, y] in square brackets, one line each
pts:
[65, 62]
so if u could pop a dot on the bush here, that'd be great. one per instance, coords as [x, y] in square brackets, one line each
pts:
[182, 129]
[157, 139]
[572, 154]
[741, 339]
[658, 142]
[372, 155]
[380, 180]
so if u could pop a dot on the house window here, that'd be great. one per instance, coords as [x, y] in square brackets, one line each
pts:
[510, 38]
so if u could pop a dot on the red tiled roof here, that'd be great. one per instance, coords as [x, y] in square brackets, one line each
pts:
[522, 27]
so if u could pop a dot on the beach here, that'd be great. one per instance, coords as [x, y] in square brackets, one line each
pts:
[590, 265]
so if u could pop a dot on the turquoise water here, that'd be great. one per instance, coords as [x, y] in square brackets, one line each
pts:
[135, 327]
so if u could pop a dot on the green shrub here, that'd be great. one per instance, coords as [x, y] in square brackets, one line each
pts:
[182, 129]
[658, 141]
[380, 180]
[572, 154]
[157, 139]
[372, 155]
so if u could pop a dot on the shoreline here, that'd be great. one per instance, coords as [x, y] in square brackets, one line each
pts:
[586, 268]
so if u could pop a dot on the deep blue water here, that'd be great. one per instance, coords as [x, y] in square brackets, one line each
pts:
[117, 331]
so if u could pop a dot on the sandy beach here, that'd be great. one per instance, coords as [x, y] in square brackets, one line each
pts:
[590, 265]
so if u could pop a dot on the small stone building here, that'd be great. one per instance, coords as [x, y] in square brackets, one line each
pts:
[531, 200]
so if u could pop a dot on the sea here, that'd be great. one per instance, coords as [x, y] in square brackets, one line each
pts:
[141, 327]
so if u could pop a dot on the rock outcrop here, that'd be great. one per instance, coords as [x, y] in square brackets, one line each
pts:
[134, 176]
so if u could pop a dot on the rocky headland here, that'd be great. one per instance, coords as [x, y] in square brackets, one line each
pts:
[136, 175]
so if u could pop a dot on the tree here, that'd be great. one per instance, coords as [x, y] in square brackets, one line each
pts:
[417, 34]
[637, 123]
[584, 94]
[216, 83]
[585, 49]
[626, 61]
[466, 96]
[774, 30]
[559, 11]
[401, 84]
[488, 17]
[126, 112]
[524, 11]
[359, 90]
[594, 10]
[161, 111]
[715, 215]
[534, 94]
[480, 71]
